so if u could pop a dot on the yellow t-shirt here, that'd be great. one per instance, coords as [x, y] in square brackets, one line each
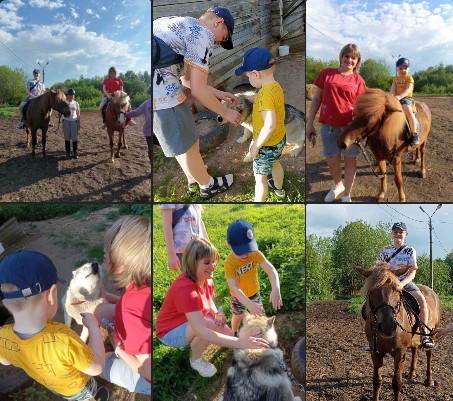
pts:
[55, 357]
[401, 84]
[269, 97]
[245, 273]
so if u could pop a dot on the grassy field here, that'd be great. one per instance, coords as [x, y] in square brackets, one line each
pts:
[280, 233]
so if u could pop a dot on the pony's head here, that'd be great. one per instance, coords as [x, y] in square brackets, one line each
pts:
[383, 300]
[58, 102]
[376, 113]
[121, 100]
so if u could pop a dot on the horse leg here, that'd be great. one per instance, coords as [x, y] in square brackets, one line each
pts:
[429, 382]
[111, 133]
[27, 129]
[34, 141]
[120, 143]
[383, 171]
[413, 370]
[378, 361]
[399, 177]
[43, 141]
[397, 382]
[422, 157]
[126, 146]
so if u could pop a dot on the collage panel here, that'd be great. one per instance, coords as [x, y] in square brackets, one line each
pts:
[228, 302]
[75, 309]
[228, 101]
[61, 63]
[379, 314]
[379, 86]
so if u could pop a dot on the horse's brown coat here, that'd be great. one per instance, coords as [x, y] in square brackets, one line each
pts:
[383, 286]
[37, 116]
[380, 117]
[112, 114]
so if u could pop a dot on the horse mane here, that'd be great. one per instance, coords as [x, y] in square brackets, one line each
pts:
[44, 102]
[382, 275]
[120, 97]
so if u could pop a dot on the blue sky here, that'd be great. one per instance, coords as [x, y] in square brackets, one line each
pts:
[82, 37]
[322, 220]
[418, 30]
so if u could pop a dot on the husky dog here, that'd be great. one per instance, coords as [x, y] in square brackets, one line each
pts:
[294, 122]
[256, 374]
[83, 295]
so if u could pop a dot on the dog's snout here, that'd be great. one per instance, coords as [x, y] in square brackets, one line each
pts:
[95, 268]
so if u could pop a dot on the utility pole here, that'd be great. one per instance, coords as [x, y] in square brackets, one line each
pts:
[430, 225]
[43, 73]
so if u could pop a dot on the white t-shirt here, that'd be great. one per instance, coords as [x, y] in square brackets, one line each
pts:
[188, 226]
[38, 87]
[188, 37]
[73, 106]
[406, 256]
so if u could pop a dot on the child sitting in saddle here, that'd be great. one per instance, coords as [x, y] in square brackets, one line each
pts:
[35, 88]
[402, 88]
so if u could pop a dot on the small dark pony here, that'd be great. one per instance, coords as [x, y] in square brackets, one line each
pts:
[37, 116]
[391, 326]
[116, 121]
[381, 120]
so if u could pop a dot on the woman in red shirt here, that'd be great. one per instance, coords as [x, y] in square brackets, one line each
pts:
[189, 316]
[336, 92]
[127, 255]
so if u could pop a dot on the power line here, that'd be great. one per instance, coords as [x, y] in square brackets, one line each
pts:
[14, 54]
[322, 33]
[440, 242]
[399, 218]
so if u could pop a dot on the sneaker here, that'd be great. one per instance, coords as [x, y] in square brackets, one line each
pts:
[76, 156]
[68, 155]
[203, 367]
[102, 394]
[221, 184]
[132, 122]
[103, 125]
[270, 181]
[334, 192]
[346, 199]
[427, 342]
[21, 125]
[415, 139]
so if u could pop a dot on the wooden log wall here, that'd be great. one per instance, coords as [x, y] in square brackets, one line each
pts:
[258, 23]
[11, 232]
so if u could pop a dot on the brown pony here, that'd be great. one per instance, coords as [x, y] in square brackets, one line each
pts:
[37, 116]
[116, 121]
[391, 328]
[380, 119]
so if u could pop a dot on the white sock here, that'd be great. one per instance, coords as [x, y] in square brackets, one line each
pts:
[209, 184]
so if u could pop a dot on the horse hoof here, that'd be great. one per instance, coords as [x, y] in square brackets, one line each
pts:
[423, 174]
[126, 146]
[118, 155]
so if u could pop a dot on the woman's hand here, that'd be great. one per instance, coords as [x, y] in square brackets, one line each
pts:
[228, 97]
[173, 262]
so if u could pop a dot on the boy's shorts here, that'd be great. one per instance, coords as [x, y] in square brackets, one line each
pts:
[267, 156]
[175, 129]
[406, 100]
[238, 309]
[329, 137]
[88, 392]
[176, 337]
[411, 287]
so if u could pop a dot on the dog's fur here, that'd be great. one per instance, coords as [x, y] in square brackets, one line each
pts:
[294, 122]
[255, 374]
[83, 294]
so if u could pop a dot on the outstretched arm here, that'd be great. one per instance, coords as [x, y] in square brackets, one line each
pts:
[275, 297]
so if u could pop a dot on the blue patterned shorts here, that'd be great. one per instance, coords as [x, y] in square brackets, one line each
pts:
[236, 306]
[267, 156]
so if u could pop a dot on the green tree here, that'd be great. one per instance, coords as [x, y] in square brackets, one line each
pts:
[314, 67]
[376, 74]
[319, 274]
[356, 243]
[441, 280]
[12, 86]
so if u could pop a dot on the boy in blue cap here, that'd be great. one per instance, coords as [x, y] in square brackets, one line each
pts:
[402, 88]
[241, 273]
[49, 352]
[173, 122]
[268, 121]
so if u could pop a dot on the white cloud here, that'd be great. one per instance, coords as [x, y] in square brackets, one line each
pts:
[74, 13]
[417, 30]
[103, 8]
[120, 17]
[9, 20]
[135, 23]
[89, 11]
[51, 4]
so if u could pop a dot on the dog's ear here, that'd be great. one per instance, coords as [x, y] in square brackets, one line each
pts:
[270, 321]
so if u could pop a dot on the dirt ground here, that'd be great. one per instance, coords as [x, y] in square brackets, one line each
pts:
[436, 187]
[91, 178]
[66, 241]
[339, 369]
[228, 157]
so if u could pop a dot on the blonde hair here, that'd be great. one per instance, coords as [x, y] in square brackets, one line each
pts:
[354, 50]
[15, 305]
[128, 243]
[197, 249]
[209, 15]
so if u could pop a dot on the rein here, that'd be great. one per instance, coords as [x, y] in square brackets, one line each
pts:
[395, 311]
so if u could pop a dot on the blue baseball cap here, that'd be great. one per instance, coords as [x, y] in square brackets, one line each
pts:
[402, 61]
[31, 271]
[229, 22]
[399, 225]
[256, 58]
[241, 237]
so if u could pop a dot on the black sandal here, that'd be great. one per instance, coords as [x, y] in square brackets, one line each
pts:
[278, 191]
[216, 188]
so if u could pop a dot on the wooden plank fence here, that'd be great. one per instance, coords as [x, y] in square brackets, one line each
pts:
[11, 232]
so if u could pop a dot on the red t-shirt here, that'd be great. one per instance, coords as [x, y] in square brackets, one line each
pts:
[112, 85]
[338, 96]
[133, 319]
[183, 296]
